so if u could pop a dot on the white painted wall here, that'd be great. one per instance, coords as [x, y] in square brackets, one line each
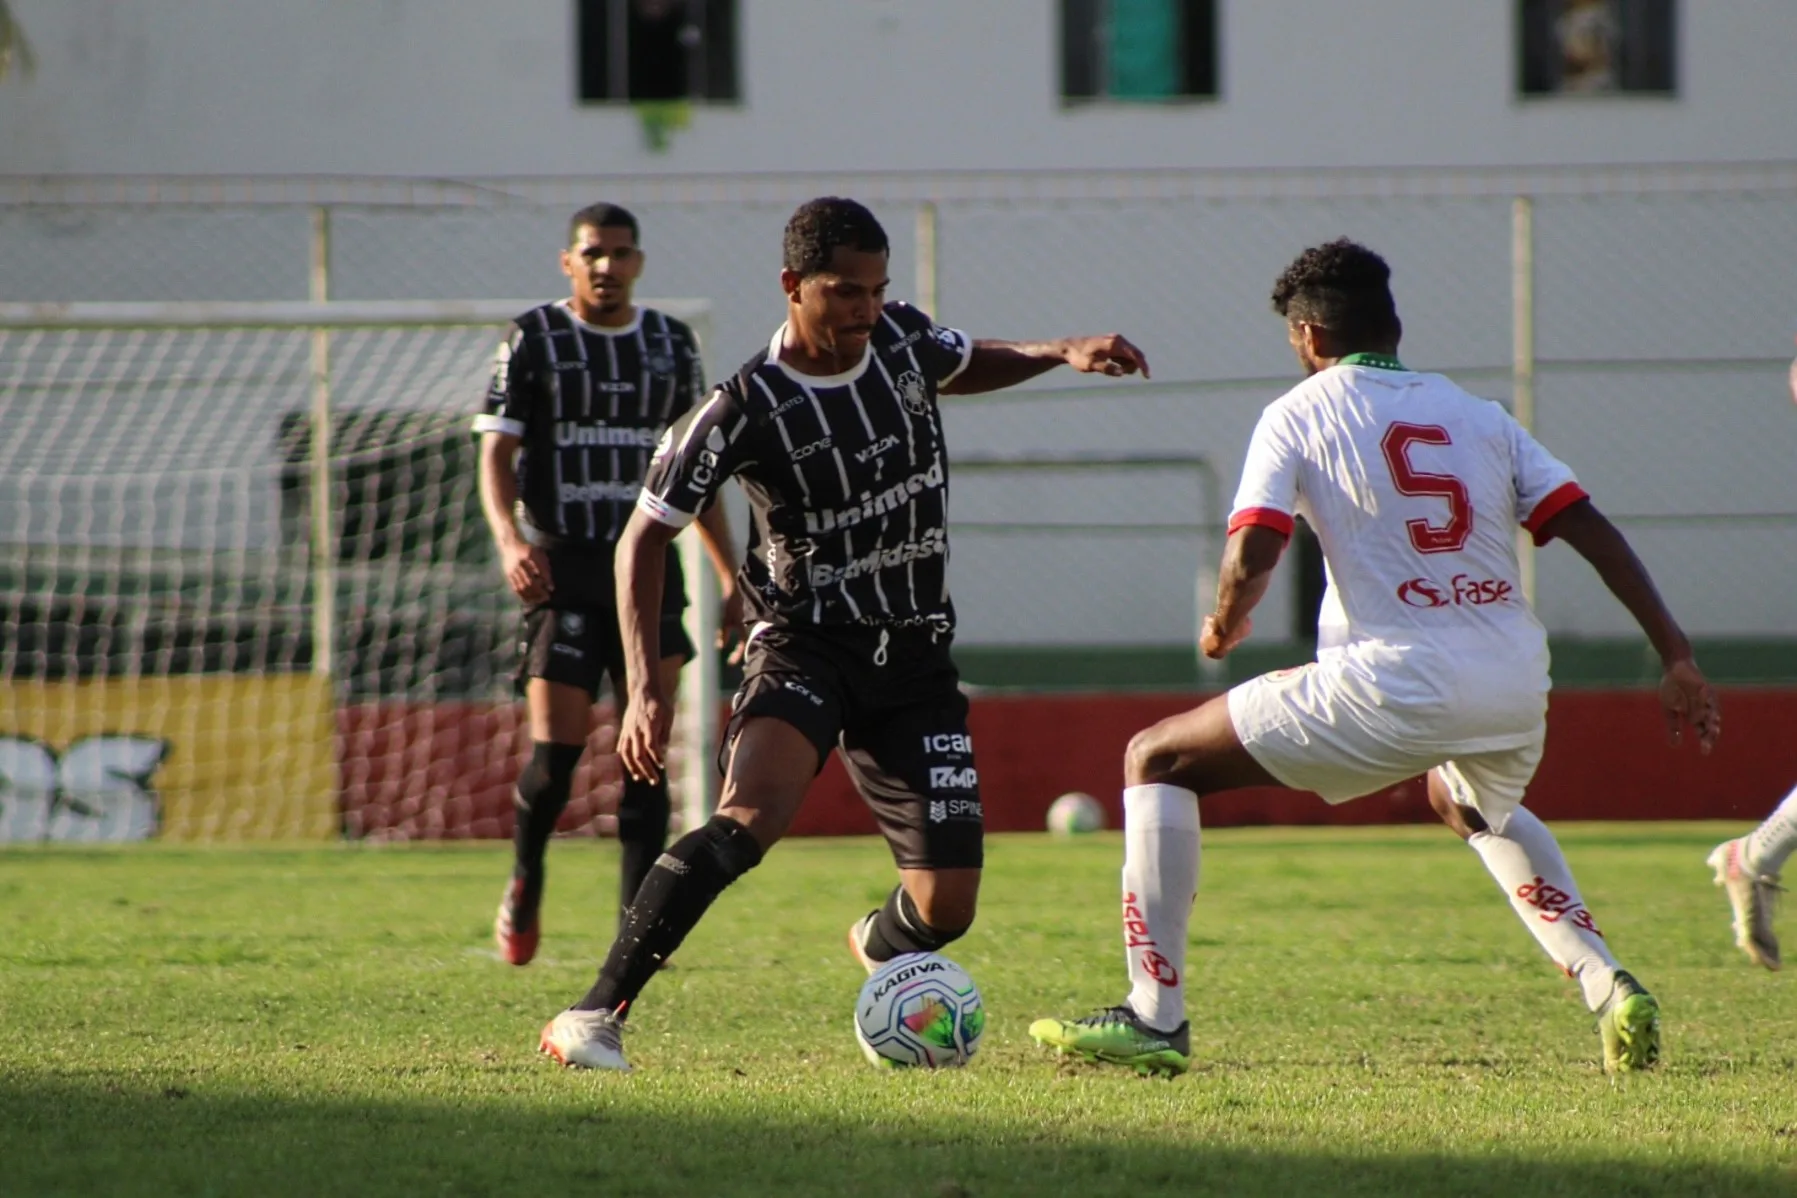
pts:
[448, 87]
[469, 87]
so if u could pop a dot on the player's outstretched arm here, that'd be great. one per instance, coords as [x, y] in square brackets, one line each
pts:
[641, 559]
[995, 365]
[1685, 695]
[1242, 580]
[526, 567]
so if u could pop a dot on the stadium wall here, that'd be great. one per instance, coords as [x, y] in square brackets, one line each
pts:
[184, 757]
[458, 87]
[1606, 759]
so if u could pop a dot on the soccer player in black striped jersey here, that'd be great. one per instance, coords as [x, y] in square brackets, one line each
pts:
[582, 390]
[835, 435]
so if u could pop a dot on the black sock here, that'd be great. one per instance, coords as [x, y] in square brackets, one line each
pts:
[541, 797]
[642, 834]
[899, 929]
[673, 897]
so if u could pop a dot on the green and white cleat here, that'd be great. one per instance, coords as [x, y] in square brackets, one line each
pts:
[1752, 896]
[1629, 1022]
[1117, 1036]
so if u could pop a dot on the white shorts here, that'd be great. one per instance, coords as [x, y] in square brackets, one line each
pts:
[1316, 728]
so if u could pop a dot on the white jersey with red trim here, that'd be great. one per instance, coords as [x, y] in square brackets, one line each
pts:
[1415, 489]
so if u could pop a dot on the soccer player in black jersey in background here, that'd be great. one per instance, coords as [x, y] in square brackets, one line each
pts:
[582, 390]
[835, 435]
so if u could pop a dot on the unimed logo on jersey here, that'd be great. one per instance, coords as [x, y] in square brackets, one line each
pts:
[1461, 591]
[891, 499]
[598, 434]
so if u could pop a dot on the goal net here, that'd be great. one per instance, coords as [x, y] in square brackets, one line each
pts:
[246, 589]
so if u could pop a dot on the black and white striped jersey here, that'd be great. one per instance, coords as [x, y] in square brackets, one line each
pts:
[590, 404]
[847, 478]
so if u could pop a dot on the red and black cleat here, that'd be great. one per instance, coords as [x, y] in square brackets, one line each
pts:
[515, 928]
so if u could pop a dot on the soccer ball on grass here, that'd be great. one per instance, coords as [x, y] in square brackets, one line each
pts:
[919, 1009]
[1075, 812]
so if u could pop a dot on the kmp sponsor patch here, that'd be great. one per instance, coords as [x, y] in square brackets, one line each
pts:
[947, 777]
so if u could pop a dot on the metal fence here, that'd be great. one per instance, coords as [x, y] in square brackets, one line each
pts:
[1640, 319]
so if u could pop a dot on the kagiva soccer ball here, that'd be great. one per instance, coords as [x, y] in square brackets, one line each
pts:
[1076, 811]
[919, 1009]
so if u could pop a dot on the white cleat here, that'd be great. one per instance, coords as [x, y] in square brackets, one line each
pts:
[1752, 896]
[586, 1040]
[858, 941]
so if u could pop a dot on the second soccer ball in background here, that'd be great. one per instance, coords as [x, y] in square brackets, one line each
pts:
[1075, 812]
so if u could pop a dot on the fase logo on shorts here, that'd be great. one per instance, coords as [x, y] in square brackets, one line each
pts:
[1462, 591]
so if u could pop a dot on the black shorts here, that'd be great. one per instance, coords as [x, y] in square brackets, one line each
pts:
[895, 707]
[574, 637]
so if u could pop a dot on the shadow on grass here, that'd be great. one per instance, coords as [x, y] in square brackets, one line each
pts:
[91, 1135]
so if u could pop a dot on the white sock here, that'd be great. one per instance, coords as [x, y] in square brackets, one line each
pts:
[1160, 880]
[1769, 844]
[1528, 865]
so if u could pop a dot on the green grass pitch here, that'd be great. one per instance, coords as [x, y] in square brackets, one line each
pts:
[1368, 1018]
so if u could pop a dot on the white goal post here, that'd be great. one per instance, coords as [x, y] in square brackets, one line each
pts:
[265, 511]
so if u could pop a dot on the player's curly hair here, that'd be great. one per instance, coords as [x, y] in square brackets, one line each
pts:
[1344, 287]
[821, 225]
[602, 216]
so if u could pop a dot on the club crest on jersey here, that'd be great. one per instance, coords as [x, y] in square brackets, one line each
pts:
[913, 393]
[661, 362]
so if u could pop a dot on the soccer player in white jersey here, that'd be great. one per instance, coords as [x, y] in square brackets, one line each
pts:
[1429, 659]
[1747, 867]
